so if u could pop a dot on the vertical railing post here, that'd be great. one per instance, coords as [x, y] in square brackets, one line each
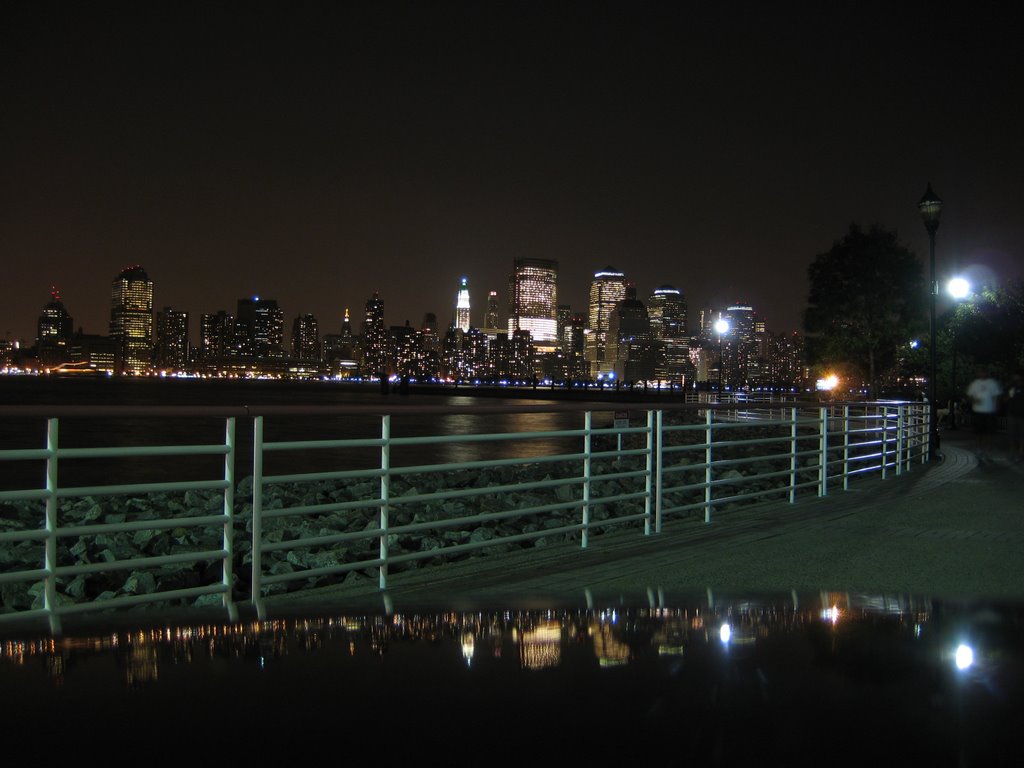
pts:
[659, 477]
[846, 447]
[257, 514]
[587, 425]
[50, 585]
[708, 474]
[227, 570]
[385, 490]
[885, 441]
[649, 475]
[900, 447]
[823, 452]
[792, 454]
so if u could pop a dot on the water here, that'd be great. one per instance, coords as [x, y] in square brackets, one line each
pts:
[83, 432]
[606, 686]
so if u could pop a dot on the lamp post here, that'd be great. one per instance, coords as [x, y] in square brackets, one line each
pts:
[930, 206]
[722, 328]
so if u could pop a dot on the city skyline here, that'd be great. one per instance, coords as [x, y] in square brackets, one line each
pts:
[317, 157]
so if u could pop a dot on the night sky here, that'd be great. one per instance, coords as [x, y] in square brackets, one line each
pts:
[314, 153]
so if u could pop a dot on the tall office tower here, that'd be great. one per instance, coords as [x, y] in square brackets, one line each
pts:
[629, 348]
[491, 315]
[666, 308]
[216, 337]
[259, 327]
[739, 347]
[172, 347]
[607, 289]
[533, 301]
[376, 357]
[574, 349]
[462, 306]
[340, 350]
[54, 332]
[708, 316]
[305, 338]
[131, 321]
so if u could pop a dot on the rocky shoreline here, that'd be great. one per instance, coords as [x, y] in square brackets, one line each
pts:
[355, 529]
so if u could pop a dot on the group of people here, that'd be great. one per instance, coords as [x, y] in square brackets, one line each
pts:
[986, 399]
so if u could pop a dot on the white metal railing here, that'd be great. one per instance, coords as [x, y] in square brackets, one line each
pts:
[305, 526]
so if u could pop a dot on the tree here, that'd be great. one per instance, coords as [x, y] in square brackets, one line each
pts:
[988, 329]
[867, 300]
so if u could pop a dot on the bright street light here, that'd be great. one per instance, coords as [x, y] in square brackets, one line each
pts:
[958, 288]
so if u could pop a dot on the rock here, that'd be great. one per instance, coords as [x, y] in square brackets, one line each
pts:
[481, 534]
[140, 583]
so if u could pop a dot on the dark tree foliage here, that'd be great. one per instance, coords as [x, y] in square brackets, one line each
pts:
[868, 298]
[988, 329]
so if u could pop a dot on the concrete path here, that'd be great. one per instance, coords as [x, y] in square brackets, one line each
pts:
[948, 530]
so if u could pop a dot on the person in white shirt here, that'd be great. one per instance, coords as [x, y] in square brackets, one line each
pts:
[984, 393]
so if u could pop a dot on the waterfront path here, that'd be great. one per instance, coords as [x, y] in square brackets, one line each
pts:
[952, 529]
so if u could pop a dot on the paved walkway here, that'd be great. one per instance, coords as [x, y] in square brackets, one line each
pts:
[949, 530]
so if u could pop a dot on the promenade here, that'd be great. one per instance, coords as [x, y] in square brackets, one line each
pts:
[949, 530]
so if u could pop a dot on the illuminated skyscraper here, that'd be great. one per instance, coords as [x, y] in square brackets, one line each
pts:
[54, 332]
[172, 347]
[376, 355]
[462, 306]
[305, 338]
[607, 289]
[131, 321]
[259, 327]
[533, 301]
[216, 337]
[491, 316]
[667, 310]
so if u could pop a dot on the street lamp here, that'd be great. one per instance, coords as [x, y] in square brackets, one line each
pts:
[930, 207]
[722, 328]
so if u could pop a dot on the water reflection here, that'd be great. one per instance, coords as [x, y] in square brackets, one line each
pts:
[790, 674]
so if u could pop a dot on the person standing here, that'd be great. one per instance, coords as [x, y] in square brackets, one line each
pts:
[984, 393]
[1015, 415]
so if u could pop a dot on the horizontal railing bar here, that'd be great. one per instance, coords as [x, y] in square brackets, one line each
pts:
[31, 534]
[313, 477]
[152, 597]
[14, 576]
[327, 570]
[142, 562]
[26, 454]
[26, 495]
[469, 546]
[142, 450]
[124, 490]
[161, 524]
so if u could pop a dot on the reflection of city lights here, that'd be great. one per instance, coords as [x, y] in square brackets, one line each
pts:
[725, 634]
[831, 614]
[964, 656]
[468, 645]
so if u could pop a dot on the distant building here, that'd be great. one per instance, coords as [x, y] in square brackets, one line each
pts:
[216, 339]
[259, 328]
[490, 325]
[305, 339]
[340, 351]
[54, 332]
[131, 321]
[375, 354]
[607, 289]
[533, 301]
[666, 308]
[629, 347]
[462, 306]
[172, 347]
